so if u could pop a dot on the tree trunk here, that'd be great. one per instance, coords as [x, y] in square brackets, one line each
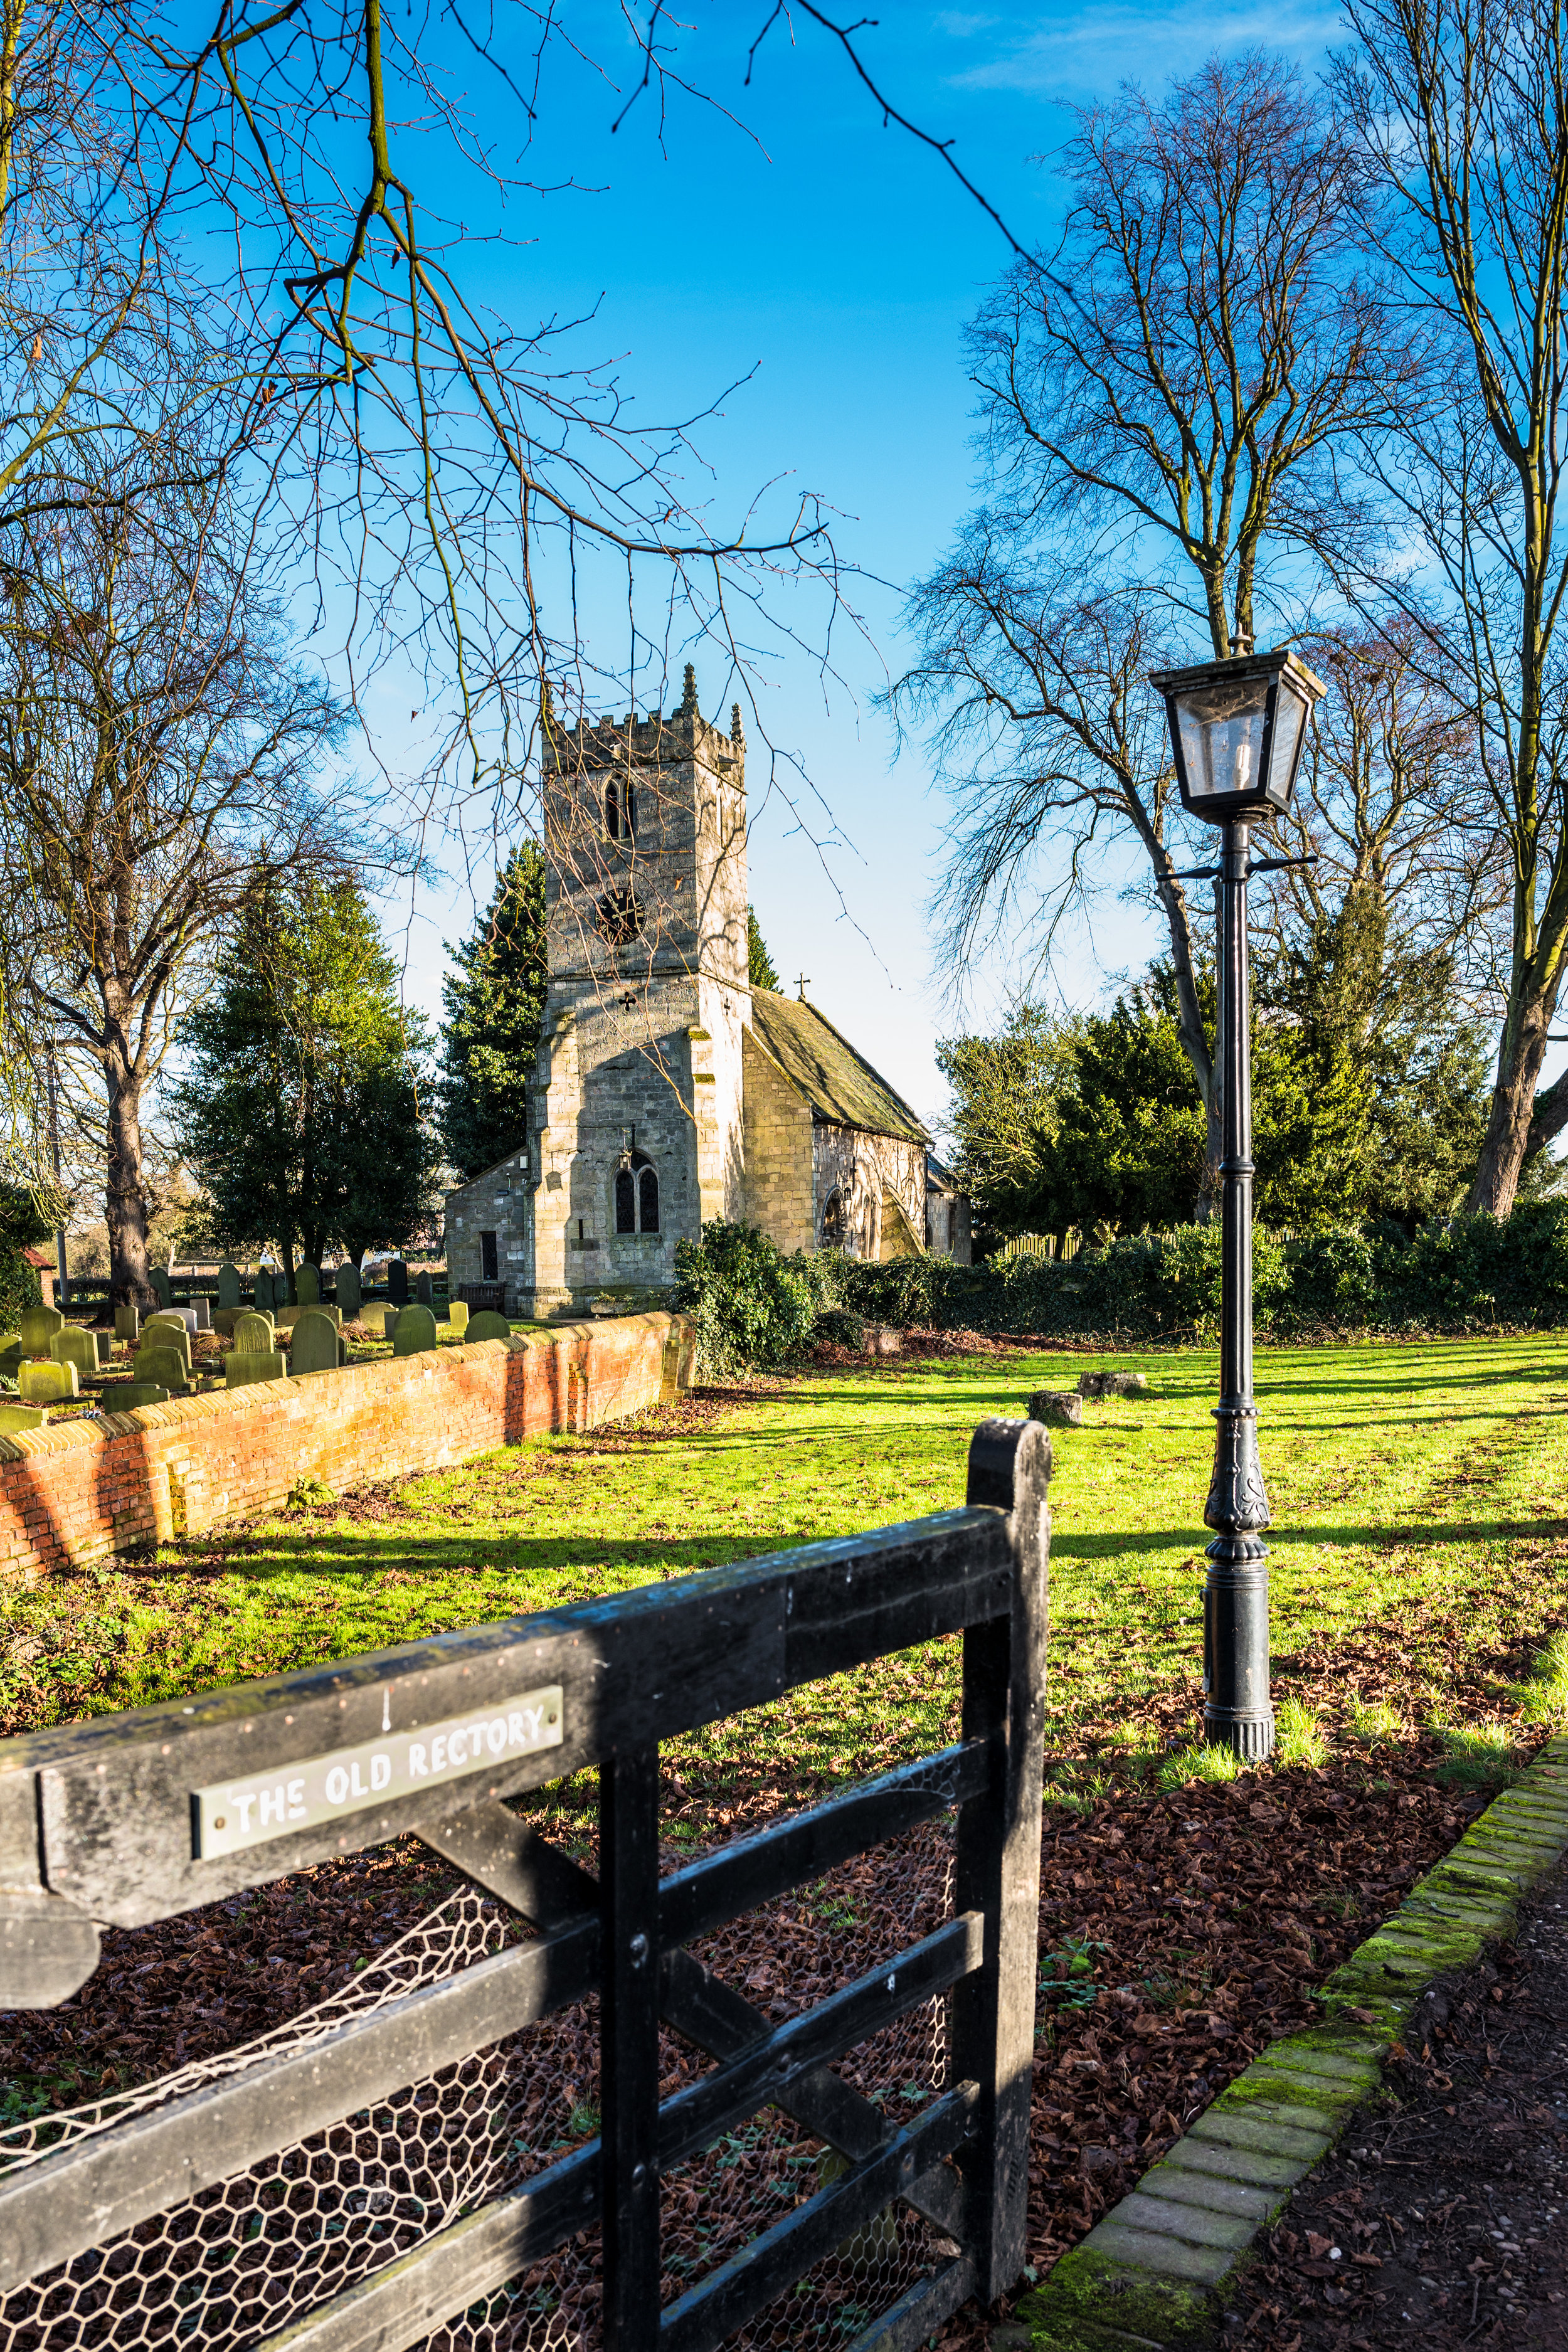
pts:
[1510, 1134]
[124, 1198]
[1195, 1043]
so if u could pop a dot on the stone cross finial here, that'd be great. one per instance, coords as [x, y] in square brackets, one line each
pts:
[801, 979]
[737, 733]
[689, 696]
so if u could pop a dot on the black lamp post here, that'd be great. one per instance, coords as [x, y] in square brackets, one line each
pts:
[1236, 730]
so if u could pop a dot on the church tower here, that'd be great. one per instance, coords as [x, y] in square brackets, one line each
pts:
[636, 1116]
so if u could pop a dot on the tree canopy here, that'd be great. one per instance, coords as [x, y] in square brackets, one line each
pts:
[494, 1004]
[759, 969]
[299, 1105]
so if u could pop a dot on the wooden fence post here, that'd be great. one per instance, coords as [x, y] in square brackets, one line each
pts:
[628, 2047]
[998, 1844]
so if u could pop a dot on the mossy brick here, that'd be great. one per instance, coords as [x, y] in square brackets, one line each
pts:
[1323, 2053]
[1240, 2198]
[1248, 2166]
[1276, 2088]
[1294, 2143]
[1306, 2116]
[1090, 2301]
[1167, 2257]
[1194, 2225]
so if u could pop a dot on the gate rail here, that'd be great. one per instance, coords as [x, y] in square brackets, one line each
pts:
[139, 1816]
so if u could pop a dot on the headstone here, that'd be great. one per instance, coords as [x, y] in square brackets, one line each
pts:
[126, 1395]
[351, 1296]
[378, 1317]
[227, 1284]
[265, 1301]
[308, 1286]
[882, 1340]
[488, 1325]
[11, 1355]
[103, 1342]
[172, 1338]
[240, 1369]
[16, 1418]
[163, 1365]
[47, 1384]
[128, 1324]
[163, 1288]
[1056, 1405]
[253, 1334]
[74, 1346]
[397, 1283]
[457, 1313]
[314, 1345]
[39, 1325]
[416, 1331]
[1104, 1385]
[424, 1289]
[184, 1317]
[202, 1308]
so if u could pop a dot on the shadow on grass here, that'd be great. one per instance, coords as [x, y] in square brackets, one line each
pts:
[1066, 1545]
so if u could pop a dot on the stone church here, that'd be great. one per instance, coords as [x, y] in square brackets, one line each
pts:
[668, 1091]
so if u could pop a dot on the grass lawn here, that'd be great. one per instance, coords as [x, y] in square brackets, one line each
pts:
[1420, 1496]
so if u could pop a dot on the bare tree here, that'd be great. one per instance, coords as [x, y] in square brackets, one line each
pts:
[1160, 400]
[1463, 108]
[157, 748]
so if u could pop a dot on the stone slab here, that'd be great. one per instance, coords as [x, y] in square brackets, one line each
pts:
[1194, 2225]
[1184, 2186]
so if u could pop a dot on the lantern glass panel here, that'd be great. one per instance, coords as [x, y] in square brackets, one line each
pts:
[1290, 725]
[1222, 736]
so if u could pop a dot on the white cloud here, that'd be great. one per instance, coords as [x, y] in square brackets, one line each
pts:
[1074, 51]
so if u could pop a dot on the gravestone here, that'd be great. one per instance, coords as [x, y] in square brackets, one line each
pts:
[416, 1331]
[1056, 1405]
[488, 1325]
[163, 1288]
[47, 1384]
[184, 1317]
[314, 1345]
[162, 1331]
[457, 1313]
[308, 1286]
[423, 1290]
[16, 1418]
[128, 1324]
[227, 1284]
[74, 1346]
[253, 1334]
[264, 1298]
[11, 1355]
[202, 1308]
[163, 1365]
[351, 1296]
[378, 1317]
[397, 1283]
[39, 1325]
[126, 1395]
[240, 1369]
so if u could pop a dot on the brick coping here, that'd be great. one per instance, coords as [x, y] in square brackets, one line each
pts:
[1151, 2275]
[92, 1429]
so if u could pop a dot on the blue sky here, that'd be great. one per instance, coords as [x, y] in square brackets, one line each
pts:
[834, 263]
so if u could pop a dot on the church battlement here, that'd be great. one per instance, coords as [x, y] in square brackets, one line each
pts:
[655, 742]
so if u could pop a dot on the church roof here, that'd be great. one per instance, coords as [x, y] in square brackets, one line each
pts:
[841, 1086]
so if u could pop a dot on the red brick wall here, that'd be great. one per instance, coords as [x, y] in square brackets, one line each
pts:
[83, 1489]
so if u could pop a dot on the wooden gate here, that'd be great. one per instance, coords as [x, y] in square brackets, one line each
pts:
[239, 2209]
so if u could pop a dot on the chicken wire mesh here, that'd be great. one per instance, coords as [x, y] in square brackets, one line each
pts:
[230, 2266]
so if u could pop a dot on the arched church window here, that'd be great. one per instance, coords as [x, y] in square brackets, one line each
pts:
[620, 809]
[647, 1200]
[611, 812]
[625, 1201]
[620, 918]
[835, 1230]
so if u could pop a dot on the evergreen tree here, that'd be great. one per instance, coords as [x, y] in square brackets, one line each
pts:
[494, 1004]
[299, 1104]
[759, 962]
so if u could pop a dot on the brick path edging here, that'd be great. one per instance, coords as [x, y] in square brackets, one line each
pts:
[1151, 2275]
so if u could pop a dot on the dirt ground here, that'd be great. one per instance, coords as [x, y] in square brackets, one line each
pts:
[1442, 2221]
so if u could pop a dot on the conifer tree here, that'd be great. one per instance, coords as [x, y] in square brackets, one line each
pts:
[494, 1004]
[759, 962]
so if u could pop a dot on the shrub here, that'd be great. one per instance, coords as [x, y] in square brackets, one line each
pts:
[23, 1226]
[753, 1307]
[1331, 1278]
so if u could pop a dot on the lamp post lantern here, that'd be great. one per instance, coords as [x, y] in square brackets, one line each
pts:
[1237, 729]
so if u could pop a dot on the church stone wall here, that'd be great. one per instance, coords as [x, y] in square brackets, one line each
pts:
[861, 1168]
[500, 1201]
[778, 1131]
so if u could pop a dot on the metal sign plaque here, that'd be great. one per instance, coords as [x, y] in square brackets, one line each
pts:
[251, 1812]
